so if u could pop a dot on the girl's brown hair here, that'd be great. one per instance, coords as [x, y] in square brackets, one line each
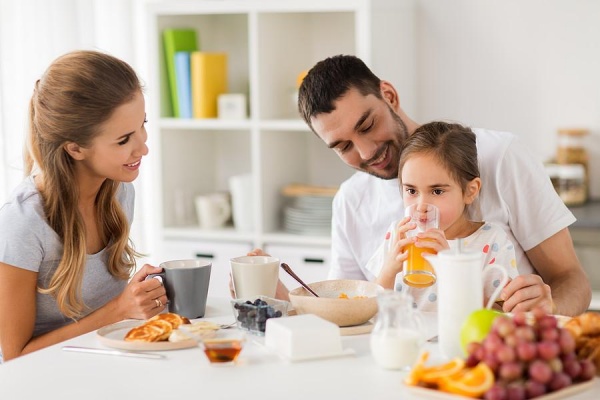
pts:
[454, 145]
[74, 97]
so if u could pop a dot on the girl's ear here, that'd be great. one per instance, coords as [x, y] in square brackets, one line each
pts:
[472, 190]
[74, 150]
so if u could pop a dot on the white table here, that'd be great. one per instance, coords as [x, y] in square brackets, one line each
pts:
[187, 374]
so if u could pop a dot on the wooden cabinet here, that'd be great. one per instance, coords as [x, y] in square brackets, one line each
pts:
[269, 43]
[310, 263]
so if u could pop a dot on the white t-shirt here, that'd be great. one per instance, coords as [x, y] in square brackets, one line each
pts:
[489, 239]
[516, 194]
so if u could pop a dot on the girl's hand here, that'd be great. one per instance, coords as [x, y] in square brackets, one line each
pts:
[143, 299]
[393, 263]
[434, 239]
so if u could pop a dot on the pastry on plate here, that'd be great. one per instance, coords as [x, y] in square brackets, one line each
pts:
[156, 329]
[174, 319]
[585, 328]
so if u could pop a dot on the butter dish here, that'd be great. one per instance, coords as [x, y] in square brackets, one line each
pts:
[304, 337]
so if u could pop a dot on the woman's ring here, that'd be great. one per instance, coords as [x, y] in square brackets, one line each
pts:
[158, 302]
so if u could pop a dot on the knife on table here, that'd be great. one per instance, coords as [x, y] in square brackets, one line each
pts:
[107, 352]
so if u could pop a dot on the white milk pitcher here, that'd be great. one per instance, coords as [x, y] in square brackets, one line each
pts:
[460, 292]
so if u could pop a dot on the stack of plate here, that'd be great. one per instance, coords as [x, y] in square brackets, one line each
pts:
[308, 215]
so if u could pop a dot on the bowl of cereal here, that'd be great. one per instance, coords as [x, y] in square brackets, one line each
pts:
[344, 302]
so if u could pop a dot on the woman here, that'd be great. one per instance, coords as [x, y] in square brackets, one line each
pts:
[65, 254]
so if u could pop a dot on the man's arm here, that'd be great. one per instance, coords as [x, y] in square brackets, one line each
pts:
[563, 279]
[556, 262]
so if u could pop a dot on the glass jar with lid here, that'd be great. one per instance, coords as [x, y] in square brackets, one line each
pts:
[571, 146]
[572, 149]
[571, 184]
[553, 172]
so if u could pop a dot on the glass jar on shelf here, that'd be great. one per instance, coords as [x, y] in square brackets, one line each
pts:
[553, 172]
[571, 146]
[572, 149]
[571, 184]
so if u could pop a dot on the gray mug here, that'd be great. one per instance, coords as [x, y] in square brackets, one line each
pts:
[186, 283]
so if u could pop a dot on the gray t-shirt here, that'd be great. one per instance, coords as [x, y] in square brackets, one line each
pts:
[28, 242]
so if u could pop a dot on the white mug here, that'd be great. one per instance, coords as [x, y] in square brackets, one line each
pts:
[460, 292]
[213, 210]
[254, 276]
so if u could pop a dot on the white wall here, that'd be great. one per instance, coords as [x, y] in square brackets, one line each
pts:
[526, 66]
[32, 34]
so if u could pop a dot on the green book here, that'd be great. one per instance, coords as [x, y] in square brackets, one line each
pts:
[175, 40]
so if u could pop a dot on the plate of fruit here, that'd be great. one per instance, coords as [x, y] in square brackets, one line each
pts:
[520, 358]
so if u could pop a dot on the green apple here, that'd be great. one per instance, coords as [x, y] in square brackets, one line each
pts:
[477, 325]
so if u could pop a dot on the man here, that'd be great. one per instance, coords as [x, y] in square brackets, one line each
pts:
[359, 117]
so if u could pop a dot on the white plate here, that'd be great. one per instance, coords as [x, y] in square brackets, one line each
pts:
[561, 394]
[367, 327]
[114, 335]
[560, 319]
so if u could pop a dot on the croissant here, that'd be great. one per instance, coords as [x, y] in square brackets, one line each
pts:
[174, 319]
[146, 333]
[585, 328]
[586, 324]
[157, 328]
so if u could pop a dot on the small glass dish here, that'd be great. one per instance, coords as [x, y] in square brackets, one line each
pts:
[252, 315]
[224, 347]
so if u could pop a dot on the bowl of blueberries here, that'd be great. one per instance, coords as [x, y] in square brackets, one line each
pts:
[252, 315]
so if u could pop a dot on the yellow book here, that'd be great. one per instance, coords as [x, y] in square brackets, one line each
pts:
[209, 80]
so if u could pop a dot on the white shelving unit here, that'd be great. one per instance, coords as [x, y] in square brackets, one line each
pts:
[268, 42]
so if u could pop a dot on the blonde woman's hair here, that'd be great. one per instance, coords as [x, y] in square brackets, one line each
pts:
[75, 96]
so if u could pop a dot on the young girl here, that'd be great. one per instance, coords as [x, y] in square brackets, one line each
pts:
[65, 255]
[438, 165]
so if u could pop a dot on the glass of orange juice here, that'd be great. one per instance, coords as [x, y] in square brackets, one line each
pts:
[417, 270]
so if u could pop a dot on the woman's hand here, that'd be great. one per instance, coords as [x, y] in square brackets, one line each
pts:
[143, 299]
[526, 292]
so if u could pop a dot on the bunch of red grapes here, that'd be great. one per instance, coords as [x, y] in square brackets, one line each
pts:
[529, 359]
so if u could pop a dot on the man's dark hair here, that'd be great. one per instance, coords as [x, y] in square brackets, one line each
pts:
[329, 80]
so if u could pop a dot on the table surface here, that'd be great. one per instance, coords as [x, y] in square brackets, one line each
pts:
[258, 374]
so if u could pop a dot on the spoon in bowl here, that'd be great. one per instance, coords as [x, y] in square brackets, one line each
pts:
[287, 269]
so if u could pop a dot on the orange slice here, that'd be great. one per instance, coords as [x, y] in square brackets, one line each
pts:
[472, 382]
[414, 376]
[435, 373]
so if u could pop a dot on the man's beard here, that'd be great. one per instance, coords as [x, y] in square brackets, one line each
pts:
[401, 133]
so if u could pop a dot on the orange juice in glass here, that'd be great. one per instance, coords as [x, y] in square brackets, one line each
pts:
[417, 270]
